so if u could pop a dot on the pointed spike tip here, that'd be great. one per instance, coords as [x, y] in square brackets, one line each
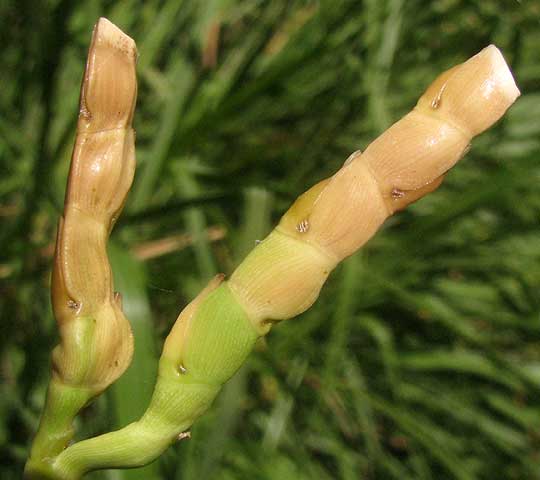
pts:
[106, 32]
[501, 72]
[109, 88]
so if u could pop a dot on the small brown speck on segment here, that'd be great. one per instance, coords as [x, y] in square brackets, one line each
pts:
[397, 193]
[84, 112]
[184, 436]
[436, 103]
[118, 295]
[303, 226]
[73, 304]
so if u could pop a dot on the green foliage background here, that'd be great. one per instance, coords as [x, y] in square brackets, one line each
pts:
[421, 358]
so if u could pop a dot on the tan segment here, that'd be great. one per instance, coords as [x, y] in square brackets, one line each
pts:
[109, 87]
[84, 275]
[413, 152]
[348, 212]
[102, 170]
[474, 94]
[279, 279]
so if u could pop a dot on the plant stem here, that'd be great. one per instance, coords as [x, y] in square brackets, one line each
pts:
[219, 339]
[56, 427]
[140, 442]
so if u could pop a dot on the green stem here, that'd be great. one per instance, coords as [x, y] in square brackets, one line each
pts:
[220, 338]
[140, 442]
[56, 427]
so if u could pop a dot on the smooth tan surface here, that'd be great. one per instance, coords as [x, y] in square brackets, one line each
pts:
[333, 219]
[96, 341]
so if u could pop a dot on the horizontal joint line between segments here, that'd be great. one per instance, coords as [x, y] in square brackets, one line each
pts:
[328, 256]
[103, 130]
[427, 113]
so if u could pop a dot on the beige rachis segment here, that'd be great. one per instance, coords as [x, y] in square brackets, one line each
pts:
[88, 312]
[282, 277]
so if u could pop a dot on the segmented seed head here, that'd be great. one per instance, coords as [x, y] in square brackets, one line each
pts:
[96, 340]
[283, 275]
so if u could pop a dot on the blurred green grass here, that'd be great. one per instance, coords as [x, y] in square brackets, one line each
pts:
[420, 360]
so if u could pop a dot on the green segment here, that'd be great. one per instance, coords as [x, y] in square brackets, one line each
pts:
[174, 407]
[214, 436]
[132, 392]
[56, 426]
[74, 357]
[219, 339]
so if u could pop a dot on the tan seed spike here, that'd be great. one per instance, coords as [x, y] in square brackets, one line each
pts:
[343, 212]
[412, 156]
[96, 342]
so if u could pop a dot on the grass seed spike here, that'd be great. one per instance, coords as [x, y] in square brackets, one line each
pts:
[279, 279]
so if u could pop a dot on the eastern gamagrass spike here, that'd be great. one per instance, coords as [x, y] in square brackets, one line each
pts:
[96, 343]
[283, 275]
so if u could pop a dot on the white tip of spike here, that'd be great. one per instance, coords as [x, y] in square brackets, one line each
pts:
[501, 76]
